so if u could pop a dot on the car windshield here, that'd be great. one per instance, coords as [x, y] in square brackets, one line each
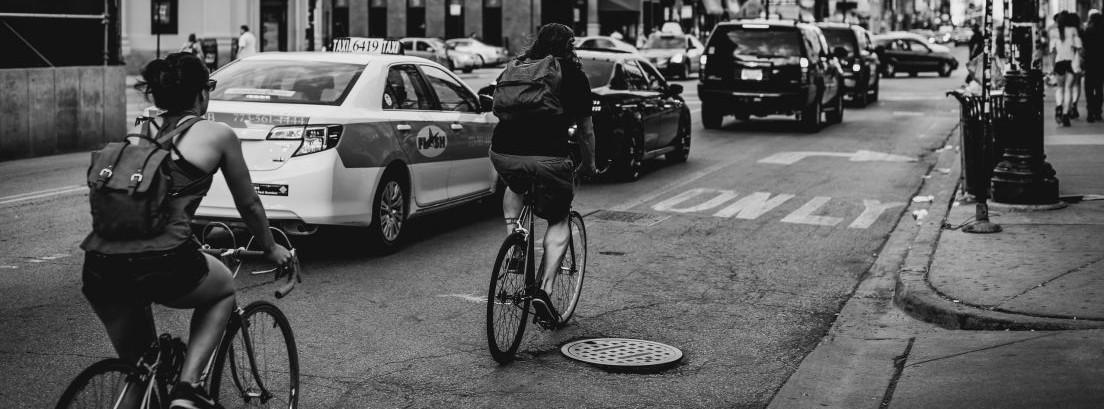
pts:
[288, 82]
[598, 72]
[840, 38]
[757, 42]
[666, 42]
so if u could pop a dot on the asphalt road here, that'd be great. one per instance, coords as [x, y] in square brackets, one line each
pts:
[741, 257]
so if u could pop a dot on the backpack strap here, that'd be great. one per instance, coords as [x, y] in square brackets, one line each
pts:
[181, 127]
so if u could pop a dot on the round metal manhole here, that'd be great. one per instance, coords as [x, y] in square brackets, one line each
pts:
[622, 352]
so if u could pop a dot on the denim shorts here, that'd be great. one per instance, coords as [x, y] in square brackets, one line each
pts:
[141, 278]
[551, 177]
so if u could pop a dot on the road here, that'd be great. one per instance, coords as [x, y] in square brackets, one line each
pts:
[741, 263]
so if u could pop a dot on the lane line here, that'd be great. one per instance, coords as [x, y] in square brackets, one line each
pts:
[41, 194]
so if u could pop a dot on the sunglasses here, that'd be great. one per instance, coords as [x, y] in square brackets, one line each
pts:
[211, 84]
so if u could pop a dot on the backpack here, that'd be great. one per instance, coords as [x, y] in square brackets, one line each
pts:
[528, 89]
[129, 184]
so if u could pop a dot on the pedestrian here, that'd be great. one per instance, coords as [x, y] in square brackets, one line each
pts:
[1077, 63]
[977, 42]
[192, 47]
[1093, 65]
[1065, 46]
[530, 147]
[247, 43]
[131, 262]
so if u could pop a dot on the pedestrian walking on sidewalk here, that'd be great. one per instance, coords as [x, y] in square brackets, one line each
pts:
[1078, 66]
[192, 47]
[1094, 66]
[247, 43]
[1065, 48]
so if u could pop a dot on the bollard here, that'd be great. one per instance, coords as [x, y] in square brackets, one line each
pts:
[977, 157]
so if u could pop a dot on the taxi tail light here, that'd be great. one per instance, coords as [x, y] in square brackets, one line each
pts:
[309, 138]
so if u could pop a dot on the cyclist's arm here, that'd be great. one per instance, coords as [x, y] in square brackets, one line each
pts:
[245, 197]
[585, 134]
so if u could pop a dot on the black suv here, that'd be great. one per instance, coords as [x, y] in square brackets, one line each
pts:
[765, 67]
[855, 49]
[637, 114]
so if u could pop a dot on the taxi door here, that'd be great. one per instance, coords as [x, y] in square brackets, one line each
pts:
[411, 110]
[468, 134]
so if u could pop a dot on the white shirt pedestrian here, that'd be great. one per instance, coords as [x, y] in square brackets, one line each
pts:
[247, 44]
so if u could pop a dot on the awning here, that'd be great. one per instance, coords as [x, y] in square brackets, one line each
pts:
[619, 5]
[713, 7]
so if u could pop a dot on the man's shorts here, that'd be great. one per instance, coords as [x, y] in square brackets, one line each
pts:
[1063, 67]
[156, 276]
[551, 177]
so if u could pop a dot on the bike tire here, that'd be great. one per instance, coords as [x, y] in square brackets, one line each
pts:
[271, 378]
[100, 385]
[507, 301]
[568, 283]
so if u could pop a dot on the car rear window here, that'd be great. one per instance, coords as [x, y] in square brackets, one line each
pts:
[598, 72]
[666, 42]
[287, 82]
[756, 42]
[840, 37]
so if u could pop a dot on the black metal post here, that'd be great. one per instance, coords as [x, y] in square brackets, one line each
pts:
[1023, 177]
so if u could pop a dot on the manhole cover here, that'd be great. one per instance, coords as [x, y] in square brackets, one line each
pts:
[639, 219]
[622, 352]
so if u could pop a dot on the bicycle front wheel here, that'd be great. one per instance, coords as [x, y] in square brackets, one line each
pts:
[257, 364]
[568, 283]
[103, 385]
[507, 303]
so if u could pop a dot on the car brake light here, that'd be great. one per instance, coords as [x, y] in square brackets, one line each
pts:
[306, 139]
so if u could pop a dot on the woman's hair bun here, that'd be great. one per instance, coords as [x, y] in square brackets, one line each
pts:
[174, 81]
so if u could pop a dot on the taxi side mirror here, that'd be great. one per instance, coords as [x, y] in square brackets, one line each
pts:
[486, 103]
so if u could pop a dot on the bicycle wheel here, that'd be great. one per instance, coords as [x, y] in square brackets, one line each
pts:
[101, 385]
[257, 364]
[507, 303]
[568, 283]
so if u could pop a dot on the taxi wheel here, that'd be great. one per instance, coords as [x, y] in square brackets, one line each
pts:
[389, 217]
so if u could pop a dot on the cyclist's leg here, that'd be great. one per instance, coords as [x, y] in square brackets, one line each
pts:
[555, 245]
[511, 208]
[129, 325]
[213, 301]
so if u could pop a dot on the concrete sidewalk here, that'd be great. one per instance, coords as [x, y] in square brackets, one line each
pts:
[1042, 272]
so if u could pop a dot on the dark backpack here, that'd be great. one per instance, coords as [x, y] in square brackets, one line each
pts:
[528, 89]
[129, 184]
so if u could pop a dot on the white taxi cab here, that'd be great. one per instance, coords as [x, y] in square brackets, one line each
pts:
[362, 136]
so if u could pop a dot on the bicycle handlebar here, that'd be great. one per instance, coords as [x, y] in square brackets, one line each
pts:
[292, 269]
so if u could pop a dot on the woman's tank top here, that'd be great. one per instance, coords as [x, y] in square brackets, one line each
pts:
[181, 209]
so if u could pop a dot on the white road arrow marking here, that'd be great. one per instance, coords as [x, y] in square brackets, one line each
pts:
[790, 158]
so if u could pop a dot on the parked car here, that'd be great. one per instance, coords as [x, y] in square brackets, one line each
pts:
[766, 67]
[488, 55]
[907, 52]
[929, 36]
[605, 43]
[637, 114]
[853, 46]
[434, 49]
[962, 35]
[675, 55]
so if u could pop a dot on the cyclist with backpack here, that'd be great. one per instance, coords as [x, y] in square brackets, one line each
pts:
[143, 193]
[538, 97]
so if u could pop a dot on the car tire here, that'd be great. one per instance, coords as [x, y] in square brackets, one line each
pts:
[889, 69]
[711, 119]
[629, 156]
[682, 140]
[811, 116]
[945, 69]
[389, 211]
[467, 70]
[836, 115]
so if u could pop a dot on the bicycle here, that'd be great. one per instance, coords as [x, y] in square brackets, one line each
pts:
[240, 358]
[515, 278]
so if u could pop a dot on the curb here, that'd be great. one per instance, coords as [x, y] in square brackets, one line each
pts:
[915, 295]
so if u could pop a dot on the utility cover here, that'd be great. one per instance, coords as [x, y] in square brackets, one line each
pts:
[625, 353]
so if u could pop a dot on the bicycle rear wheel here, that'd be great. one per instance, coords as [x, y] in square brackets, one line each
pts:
[568, 283]
[257, 364]
[507, 302]
[102, 385]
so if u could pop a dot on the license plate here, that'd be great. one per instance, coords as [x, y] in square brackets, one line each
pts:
[751, 75]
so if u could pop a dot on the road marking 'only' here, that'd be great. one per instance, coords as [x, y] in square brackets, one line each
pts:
[755, 205]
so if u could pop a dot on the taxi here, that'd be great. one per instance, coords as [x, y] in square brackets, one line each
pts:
[362, 136]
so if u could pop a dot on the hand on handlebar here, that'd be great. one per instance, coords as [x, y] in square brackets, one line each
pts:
[278, 255]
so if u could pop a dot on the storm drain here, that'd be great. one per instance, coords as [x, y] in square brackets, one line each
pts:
[638, 219]
[622, 353]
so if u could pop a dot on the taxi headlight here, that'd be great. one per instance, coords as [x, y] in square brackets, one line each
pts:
[677, 58]
[309, 138]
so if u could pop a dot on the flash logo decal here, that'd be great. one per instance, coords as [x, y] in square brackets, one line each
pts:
[431, 141]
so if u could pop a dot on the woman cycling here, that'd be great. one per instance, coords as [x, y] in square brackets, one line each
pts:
[122, 277]
[1065, 47]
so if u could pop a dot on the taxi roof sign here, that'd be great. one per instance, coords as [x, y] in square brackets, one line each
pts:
[366, 46]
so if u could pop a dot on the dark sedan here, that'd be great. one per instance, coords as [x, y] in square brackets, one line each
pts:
[907, 52]
[855, 49]
[637, 114]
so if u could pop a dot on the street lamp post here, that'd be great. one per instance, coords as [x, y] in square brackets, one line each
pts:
[1023, 177]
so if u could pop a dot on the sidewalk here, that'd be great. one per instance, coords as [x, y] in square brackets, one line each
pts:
[1040, 273]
